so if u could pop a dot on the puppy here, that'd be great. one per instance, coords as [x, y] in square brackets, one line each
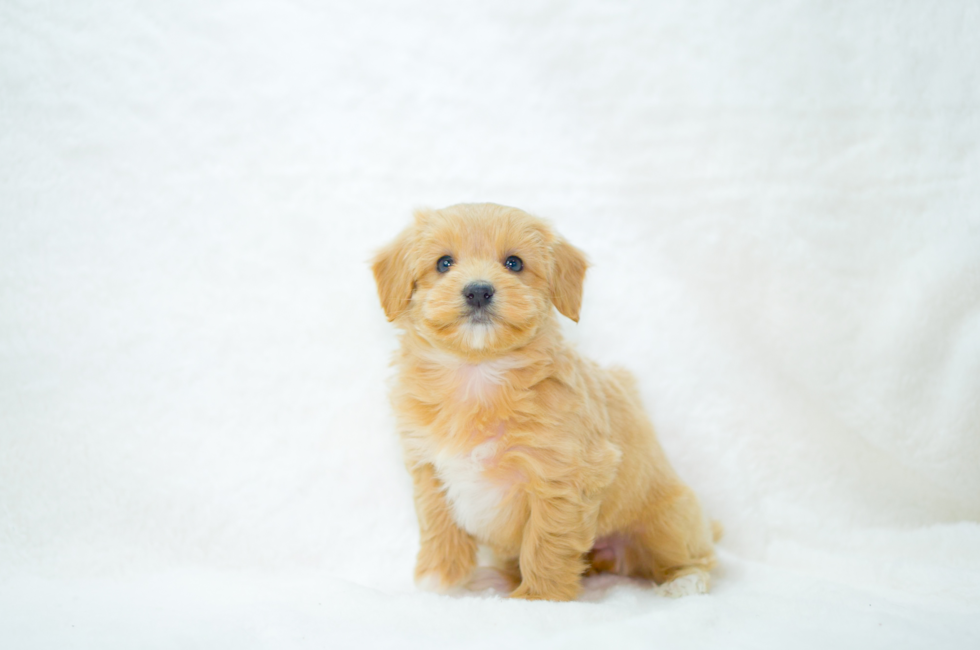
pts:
[513, 440]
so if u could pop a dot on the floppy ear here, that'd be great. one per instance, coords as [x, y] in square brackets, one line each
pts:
[393, 273]
[567, 276]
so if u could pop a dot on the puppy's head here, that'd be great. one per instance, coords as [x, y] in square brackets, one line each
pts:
[478, 278]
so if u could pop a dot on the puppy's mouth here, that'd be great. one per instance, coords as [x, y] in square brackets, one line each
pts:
[480, 317]
[479, 329]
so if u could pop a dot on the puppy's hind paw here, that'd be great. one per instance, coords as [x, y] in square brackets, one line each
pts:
[686, 585]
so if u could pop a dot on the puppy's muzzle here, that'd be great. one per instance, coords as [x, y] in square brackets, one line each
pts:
[478, 295]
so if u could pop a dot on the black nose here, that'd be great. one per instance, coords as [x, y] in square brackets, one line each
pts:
[478, 294]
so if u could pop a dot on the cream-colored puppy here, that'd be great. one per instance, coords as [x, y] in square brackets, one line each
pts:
[513, 441]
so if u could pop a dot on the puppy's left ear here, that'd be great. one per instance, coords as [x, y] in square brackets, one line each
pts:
[567, 278]
[393, 273]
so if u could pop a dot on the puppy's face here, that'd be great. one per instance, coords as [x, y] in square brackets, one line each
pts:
[478, 279]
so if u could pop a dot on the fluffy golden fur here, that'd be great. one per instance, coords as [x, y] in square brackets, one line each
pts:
[512, 439]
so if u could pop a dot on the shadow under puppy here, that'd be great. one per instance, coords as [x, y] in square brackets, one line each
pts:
[512, 439]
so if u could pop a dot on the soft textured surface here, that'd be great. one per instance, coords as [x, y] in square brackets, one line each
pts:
[782, 207]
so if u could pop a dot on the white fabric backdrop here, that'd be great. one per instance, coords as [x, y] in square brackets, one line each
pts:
[781, 202]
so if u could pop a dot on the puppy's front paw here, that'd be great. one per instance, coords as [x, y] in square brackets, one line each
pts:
[686, 585]
[440, 583]
[434, 583]
[435, 572]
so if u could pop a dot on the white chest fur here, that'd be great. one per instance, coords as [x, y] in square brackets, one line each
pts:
[480, 381]
[474, 499]
[470, 381]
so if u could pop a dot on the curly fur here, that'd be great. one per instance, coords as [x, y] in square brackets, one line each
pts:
[512, 439]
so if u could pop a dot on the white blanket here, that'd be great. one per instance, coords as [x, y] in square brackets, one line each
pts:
[781, 203]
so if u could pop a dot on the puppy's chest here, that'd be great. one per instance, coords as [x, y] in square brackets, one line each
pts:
[474, 489]
[471, 399]
[481, 382]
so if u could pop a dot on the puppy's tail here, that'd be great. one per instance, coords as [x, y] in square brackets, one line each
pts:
[717, 530]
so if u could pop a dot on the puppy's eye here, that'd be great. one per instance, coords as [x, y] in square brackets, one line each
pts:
[444, 263]
[514, 263]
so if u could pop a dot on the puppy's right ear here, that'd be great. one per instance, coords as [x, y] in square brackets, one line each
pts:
[393, 272]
